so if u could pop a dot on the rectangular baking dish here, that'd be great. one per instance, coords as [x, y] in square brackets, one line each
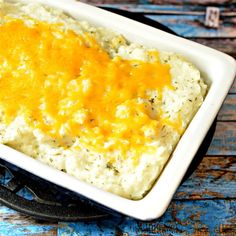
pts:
[217, 68]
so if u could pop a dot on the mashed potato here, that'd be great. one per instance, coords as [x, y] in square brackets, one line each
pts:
[105, 110]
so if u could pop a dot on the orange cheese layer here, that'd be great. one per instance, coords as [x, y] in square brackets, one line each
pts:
[67, 84]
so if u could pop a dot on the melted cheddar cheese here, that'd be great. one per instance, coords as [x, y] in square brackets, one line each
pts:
[63, 84]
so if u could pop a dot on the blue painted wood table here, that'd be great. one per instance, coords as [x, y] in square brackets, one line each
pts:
[205, 204]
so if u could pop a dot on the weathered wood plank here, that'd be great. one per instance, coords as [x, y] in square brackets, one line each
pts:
[165, 2]
[224, 141]
[180, 2]
[214, 217]
[225, 45]
[187, 21]
[215, 177]
[193, 26]
[14, 224]
[233, 88]
[98, 2]
[170, 9]
[228, 110]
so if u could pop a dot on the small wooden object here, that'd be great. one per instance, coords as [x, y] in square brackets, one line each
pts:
[212, 17]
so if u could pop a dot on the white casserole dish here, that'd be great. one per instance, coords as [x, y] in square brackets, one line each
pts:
[217, 68]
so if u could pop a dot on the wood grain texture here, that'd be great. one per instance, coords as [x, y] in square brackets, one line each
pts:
[228, 110]
[14, 224]
[170, 9]
[194, 2]
[214, 178]
[224, 141]
[214, 172]
[201, 217]
[233, 88]
[166, 2]
[205, 204]
[193, 26]
[187, 20]
[99, 2]
[224, 45]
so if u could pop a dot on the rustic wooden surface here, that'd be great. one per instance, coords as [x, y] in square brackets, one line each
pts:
[205, 204]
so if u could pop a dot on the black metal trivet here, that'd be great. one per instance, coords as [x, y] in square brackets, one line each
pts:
[31, 195]
[41, 199]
